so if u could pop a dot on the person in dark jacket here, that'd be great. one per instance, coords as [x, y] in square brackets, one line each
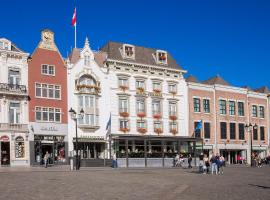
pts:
[189, 161]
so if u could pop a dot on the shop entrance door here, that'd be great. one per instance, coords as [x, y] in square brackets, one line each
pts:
[47, 148]
[5, 153]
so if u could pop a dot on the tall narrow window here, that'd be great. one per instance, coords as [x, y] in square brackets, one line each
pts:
[14, 77]
[140, 84]
[241, 131]
[222, 107]
[262, 134]
[232, 107]
[254, 111]
[241, 110]
[197, 131]
[140, 105]
[197, 104]
[232, 131]
[255, 133]
[206, 105]
[156, 107]
[172, 109]
[123, 105]
[223, 130]
[261, 111]
[207, 130]
[14, 113]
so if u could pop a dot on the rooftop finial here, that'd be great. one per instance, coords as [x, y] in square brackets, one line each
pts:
[86, 44]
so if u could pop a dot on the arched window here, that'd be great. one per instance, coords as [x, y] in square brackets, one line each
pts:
[19, 147]
[87, 80]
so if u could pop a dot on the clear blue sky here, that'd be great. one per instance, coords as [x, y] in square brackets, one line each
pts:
[226, 37]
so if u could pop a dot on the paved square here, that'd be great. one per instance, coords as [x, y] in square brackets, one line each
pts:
[238, 182]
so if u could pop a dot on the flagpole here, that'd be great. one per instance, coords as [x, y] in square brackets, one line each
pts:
[75, 35]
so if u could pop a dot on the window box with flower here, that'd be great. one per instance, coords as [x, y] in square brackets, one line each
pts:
[173, 117]
[124, 114]
[142, 130]
[173, 131]
[158, 130]
[157, 115]
[124, 130]
[141, 114]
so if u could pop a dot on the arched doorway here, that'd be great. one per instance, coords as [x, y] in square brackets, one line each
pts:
[5, 150]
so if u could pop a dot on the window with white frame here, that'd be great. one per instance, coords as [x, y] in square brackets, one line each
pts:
[48, 91]
[161, 57]
[14, 76]
[157, 125]
[254, 111]
[48, 70]
[141, 124]
[222, 107]
[140, 105]
[123, 124]
[232, 107]
[14, 112]
[241, 109]
[172, 88]
[46, 114]
[123, 105]
[129, 51]
[206, 105]
[123, 82]
[197, 104]
[157, 87]
[87, 60]
[19, 147]
[172, 108]
[140, 84]
[88, 102]
[261, 111]
[156, 107]
[173, 126]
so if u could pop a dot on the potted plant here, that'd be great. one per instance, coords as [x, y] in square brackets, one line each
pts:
[173, 117]
[141, 114]
[158, 131]
[157, 116]
[142, 130]
[173, 131]
[124, 114]
[140, 89]
[157, 90]
[123, 87]
[124, 130]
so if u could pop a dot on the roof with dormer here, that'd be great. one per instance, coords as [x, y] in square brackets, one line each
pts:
[216, 80]
[143, 55]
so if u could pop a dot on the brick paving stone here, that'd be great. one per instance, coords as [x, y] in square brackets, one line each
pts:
[59, 183]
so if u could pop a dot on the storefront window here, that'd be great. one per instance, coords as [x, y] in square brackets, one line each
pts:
[154, 149]
[19, 147]
[170, 149]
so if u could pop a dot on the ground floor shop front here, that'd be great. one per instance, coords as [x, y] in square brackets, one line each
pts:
[14, 149]
[54, 145]
[154, 151]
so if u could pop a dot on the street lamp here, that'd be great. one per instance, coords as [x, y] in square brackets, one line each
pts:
[75, 117]
[249, 127]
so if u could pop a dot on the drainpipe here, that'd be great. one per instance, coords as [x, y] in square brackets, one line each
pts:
[216, 123]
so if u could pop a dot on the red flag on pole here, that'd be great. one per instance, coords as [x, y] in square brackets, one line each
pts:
[73, 22]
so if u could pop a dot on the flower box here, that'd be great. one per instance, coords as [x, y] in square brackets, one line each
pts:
[173, 131]
[124, 130]
[157, 90]
[157, 116]
[123, 87]
[173, 117]
[173, 93]
[141, 114]
[158, 130]
[124, 114]
[142, 130]
[140, 90]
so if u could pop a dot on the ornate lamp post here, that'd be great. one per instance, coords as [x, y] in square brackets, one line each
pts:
[75, 117]
[249, 127]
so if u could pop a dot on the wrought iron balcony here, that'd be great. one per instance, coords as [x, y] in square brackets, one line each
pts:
[14, 89]
[13, 127]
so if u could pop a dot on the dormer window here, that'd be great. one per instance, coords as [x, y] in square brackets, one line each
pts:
[129, 51]
[86, 60]
[161, 57]
[4, 45]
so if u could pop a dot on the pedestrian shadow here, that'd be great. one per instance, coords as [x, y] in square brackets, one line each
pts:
[260, 186]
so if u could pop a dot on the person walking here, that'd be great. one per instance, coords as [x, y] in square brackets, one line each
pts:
[213, 161]
[201, 163]
[189, 161]
[46, 159]
[206, 164]
[114, 164]
[221, 164]
[177, 160]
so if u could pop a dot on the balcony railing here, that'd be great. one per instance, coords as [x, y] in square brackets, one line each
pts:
[13, 88]
[13, 127]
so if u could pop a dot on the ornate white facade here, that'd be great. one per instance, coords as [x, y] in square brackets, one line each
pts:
[14, 145]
